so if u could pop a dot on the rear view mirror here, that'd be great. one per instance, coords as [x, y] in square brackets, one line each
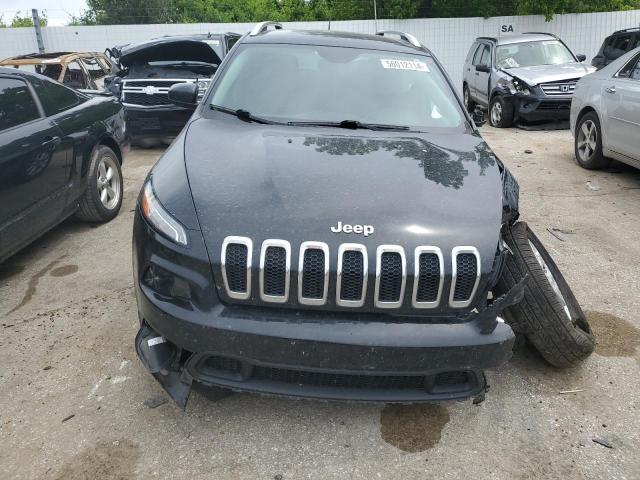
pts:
[478, 117]
[581, 57]
[482, 68]
[184, 94]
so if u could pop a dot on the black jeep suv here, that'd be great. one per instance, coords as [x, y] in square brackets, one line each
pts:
[330, 224]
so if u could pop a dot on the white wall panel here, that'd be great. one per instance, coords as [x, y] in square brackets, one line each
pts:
[448, 38]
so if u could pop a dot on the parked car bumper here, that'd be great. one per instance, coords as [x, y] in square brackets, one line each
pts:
[532, 109]
[156, 123]
[303, 354]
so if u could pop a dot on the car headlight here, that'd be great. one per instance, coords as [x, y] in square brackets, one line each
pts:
[159, 218]
[514, 86]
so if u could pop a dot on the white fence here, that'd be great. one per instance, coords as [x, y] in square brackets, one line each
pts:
[448, 38]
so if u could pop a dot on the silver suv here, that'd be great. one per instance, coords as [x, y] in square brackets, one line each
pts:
[529, 76]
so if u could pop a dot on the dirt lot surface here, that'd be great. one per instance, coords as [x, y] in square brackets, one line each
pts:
[72, 391]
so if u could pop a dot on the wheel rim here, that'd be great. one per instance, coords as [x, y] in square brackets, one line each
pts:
[109, 183]
[496, 113]
[552, 280]
[587, 140]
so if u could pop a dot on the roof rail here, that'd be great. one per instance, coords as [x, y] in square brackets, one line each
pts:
[541, 33]
[624, 30]
[263, 26]
[406, 37]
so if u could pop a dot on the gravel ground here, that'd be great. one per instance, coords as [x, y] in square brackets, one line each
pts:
[72, 391]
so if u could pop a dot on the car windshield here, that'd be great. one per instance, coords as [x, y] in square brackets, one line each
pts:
[309, 83]
[529, 54]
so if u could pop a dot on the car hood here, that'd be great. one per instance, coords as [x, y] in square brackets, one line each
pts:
[295, 183]
[167, 49]
[550, 73]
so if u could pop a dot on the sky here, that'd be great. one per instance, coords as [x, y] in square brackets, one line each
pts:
[58, 11]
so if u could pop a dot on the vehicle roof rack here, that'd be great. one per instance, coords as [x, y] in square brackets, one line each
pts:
[624, 30]
[263, 26]
[541, 33]
[406, 37]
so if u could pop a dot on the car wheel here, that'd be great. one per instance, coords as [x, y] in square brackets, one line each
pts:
[102, 198]
[469, 104]
[588, 142]
[500, 112]
[549, 315]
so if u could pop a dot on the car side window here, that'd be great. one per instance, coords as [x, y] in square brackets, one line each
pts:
[472, 51]
[95, 71]
[635, 73]
[17, 105]
[74, 76]
[486, 56]
[629, 68]
[56, 98]
[231, 41]
[480, 53]
[636, 43]
[619, 46]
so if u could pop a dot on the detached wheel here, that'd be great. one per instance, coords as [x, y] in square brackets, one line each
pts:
[500, 112]
[588, 143]
[549, 315]
[103, 195]
[469, 104]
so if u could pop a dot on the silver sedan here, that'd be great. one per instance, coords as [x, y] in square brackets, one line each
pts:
[605, 114]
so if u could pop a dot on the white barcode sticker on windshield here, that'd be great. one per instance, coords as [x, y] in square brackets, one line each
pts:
[404, 65]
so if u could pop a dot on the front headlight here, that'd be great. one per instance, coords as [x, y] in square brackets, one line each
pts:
[159, 218]
[514, 86]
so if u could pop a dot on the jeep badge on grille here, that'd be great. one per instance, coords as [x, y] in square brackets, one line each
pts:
[365, 230]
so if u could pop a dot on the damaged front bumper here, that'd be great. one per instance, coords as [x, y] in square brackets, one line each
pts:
[337, 358]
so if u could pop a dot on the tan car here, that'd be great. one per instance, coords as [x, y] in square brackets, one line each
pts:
[84, 71]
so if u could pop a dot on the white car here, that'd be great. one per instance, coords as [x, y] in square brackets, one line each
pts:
[605, 114]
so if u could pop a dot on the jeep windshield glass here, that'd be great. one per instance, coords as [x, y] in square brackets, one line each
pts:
[310, 84]
[529, 54]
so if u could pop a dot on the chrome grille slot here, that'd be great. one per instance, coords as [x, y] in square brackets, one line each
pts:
[313, 273]
[351, 287]
[391, 274]
[236, 266]
[428, 278]
[559, 89]
[466, 275]
[275, 265]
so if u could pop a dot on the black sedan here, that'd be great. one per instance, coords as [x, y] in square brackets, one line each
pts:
[60, 154]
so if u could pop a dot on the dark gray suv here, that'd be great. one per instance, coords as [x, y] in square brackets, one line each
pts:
[330, 224]
[530, 76]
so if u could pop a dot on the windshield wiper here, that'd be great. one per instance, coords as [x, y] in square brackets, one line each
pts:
[241, 114]
[352, 125]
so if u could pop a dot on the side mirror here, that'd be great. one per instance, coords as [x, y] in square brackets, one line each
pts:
[184, 94]
[581, 57]
[483, 68]
[478, 117]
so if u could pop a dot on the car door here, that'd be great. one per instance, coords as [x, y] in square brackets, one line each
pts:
[621, 102]
[34, 166]
[482, 65]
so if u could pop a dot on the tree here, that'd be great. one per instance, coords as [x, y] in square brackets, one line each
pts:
[20, 20]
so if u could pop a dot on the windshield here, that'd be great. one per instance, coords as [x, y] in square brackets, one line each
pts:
[529, 54]
[308, 83]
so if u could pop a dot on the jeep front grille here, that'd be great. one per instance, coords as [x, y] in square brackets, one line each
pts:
[564, 88]
[465, 277]
[429, 277]
[391, 275]
[313, 273]
[426, 278]
[236, 266]
[275, 264]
